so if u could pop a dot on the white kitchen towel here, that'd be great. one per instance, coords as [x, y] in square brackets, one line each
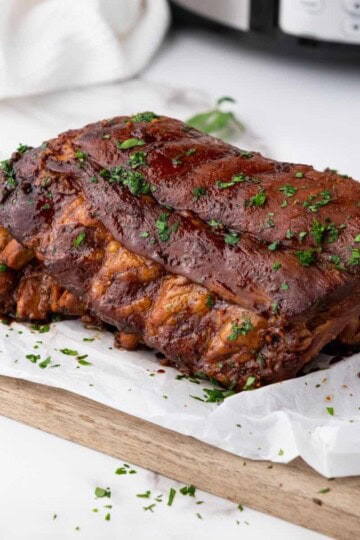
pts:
[48, 45]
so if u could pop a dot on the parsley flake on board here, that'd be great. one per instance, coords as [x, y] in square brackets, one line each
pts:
[240, 330]
[129, 143]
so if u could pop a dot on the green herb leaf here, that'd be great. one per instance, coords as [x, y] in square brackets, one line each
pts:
[22, 148]
[79, 239]
[330, 411]
[69, 352]
[232, 238]
[274, 246]
[276, 266]
[355, 257]
[129, 143]
[306, 257]
[33, 358]
[44, 364]
[3, 267]
[215, 120]
[102, 492]
[146, 116]
[259, 199]
[199, 192]
[289, 190]
[145, 495]
[188, 490]
[240, 330]
[210, 302]
[137, 159]
[163, 228]
[323, 198]
[249, 384]
[171, 498]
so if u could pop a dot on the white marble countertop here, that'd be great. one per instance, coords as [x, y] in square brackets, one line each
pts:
[299, 112]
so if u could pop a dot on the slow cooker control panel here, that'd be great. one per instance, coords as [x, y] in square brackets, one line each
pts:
[328, 20]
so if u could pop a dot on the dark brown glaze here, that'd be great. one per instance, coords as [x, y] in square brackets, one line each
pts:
[261, 322]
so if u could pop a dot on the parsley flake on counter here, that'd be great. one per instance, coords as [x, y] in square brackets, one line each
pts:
[213, 395]
[171, 498]
[145, 495]
[281, 452]
[79, 239]
[108, 516]
[129, 143]
[45, 363]
[324, 490]
[241, 330]
[102, 492]
[150, 507]
[69, 352]
[188, 490]
[199, 192]
[330, 411]
[33, 358]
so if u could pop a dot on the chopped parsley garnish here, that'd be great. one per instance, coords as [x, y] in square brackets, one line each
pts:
[249, 384]
[337, 262]
[284, 286]
[134, 180]
[137, 159]
[314, 202]
[275, 308]
[45, 206]
[289, 190]
[79, 239]
[240, 330]
[276, 266]
[236, 179]
[102, 492]
[22, 148]
[274, 246]
[284, 204]
[163, 228]
[215, 223]
[210, 302]
[69, 352]
[145, 495]
[245, 154]
[177, 160]
[289, 234]
[106, 136]
[299, 174]
[146, 116]
[150, 507]
[9, 172]
[357, 238]
[188, 490]
[330, 410]
[129, 143]
[33, 358]
[44, 364]
[214, 395]
[232, 238]
[171, 498]
[259, 199]
[199, 192]
[144, 234]
[81, 156]
[3, 267]
[306, 257]
[319, 230]
[281, 452]
[355, 257]
[93, 180]
[302, 235]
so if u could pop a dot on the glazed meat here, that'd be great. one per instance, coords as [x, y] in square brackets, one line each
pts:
[230, 264]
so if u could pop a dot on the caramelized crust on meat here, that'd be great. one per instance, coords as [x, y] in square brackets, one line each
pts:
[227, 262]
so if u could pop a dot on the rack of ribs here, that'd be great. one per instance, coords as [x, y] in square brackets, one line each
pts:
[232, 265]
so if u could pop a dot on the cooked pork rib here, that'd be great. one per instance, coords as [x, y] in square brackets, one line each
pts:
[229, 263]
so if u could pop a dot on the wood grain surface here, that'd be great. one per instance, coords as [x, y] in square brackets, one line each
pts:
[293, 492]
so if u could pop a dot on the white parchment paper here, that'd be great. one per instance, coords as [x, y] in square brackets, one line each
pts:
[278, 422]
[315, 416]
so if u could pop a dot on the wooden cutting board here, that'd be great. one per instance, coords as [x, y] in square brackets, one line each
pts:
[293, 492]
